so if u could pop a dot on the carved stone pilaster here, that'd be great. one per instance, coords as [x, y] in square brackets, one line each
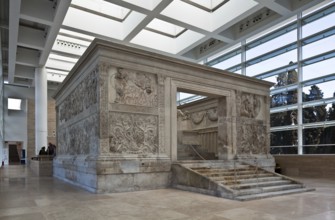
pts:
[161, 111]
[103, 99]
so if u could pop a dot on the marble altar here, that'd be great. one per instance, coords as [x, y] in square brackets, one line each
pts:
[117, 117]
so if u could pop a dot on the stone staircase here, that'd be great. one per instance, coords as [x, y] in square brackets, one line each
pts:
[239, 182]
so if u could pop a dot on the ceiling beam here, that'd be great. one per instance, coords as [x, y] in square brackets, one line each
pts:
[14, 14]
[152, 15]
[25, 72]
[27, 57]
[32, 38]
[60, 13]
[39, 11]
[274, 6]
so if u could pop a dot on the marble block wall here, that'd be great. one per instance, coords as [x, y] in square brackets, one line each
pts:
[116, 117]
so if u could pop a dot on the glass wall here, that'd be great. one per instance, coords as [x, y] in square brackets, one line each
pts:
[303, 96]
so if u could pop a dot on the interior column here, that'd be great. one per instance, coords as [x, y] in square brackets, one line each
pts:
[41, 109]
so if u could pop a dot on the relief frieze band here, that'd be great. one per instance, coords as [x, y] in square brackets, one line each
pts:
[84, 96]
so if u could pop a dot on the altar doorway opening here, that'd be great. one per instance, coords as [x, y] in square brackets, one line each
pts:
[197, 124]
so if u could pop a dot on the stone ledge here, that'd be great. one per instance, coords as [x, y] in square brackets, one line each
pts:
[317, 166]
[41, 167]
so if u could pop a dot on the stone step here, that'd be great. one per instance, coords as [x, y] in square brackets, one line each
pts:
[244, 182]
[251, 180]
[268, 189]
[260, 184]
[240, 177]
[272, 194]
[231, 173]
[227, 169]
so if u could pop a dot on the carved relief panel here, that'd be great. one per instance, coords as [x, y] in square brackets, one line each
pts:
[83, 96]
[198, 119]
[251, 138]
[134, 88]
[250, 105]
[251, 127]
[133, 133]
[80, 138]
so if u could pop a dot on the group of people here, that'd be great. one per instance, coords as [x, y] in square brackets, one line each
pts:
[51, 150]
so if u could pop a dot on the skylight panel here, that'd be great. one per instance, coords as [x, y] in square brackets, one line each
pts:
[102, 8]
[77, 35]
[207, 5]
[165, 28]
[62, 58]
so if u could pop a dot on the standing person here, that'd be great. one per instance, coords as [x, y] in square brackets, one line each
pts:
[51, 149]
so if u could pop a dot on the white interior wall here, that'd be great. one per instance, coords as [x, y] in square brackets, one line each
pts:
[15, 122]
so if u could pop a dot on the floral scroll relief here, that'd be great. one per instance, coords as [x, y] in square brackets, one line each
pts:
[133, 133]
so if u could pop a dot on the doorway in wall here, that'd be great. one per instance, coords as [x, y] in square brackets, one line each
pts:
[197, 125]
[13, 154]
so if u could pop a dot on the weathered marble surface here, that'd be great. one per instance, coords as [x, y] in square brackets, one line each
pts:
[117, 117]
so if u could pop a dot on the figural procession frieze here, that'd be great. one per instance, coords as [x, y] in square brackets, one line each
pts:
[83, 96]
[80, 138]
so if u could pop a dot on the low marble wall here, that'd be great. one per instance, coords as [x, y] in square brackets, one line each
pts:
[318, 166]
[41, 167]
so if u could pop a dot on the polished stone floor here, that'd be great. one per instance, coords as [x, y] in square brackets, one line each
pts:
[23, 196]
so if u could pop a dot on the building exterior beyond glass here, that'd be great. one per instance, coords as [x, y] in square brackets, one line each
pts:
[298, 56]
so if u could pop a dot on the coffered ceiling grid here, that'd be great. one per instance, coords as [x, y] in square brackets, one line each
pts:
[55, 33]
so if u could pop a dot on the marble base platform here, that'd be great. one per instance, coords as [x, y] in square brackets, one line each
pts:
[117, 175]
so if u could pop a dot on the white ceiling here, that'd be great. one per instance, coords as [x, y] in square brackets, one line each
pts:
[55, 33]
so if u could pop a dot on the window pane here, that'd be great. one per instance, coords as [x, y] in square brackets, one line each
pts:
[286, 78]
[273, 63]
[318, 47]
[319, 91]
[226, 51]
[312, 136]
[319, 140]
[284, 139]
[238, 71]
[272, 44]
[272, 79]
[284, 150]
[318, 25]
[319, 69]
[283, 118]
[319, 149]
[315, 114]
[229, 62]
[284, 98]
